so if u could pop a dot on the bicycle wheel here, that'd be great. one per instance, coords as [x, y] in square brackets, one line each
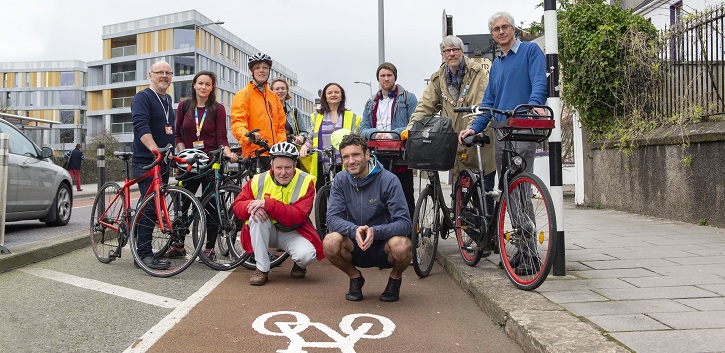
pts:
[323, 195]
[426, 228]
[526, 231]
[276, 257]
[182, 240]
[222, 230]
[469, 217]
[104, 240]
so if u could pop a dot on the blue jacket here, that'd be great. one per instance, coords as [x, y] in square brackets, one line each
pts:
[403, 108]
[147, 116]
[376, 200]
[519, 77]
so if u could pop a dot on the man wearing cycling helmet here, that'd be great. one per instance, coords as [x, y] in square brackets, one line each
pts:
[368, 220]
[276, 206]
[256, 106]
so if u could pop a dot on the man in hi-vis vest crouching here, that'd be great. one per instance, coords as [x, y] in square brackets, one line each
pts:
[276, 206]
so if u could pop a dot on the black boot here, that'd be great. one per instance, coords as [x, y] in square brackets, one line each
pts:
[355, 292]
[392, 290]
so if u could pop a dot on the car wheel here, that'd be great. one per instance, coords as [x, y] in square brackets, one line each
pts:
[62, 207]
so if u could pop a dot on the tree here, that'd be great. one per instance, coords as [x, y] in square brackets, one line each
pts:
[107, 139]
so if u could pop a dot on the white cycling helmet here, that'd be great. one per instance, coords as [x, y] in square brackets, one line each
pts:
[284, 149]
[259, 58]
[201, 159]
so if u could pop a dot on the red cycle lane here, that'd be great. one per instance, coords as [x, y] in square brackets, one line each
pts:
[433, 315]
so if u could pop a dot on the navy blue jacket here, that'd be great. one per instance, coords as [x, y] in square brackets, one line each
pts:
[147, 116]
[376, 200]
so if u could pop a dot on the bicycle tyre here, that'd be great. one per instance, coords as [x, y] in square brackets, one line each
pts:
[276, 256]
[538, 233]
[228, 227]
[321, 199]
[187, 219]
[106, 242]
[468, 215]
[425, 233]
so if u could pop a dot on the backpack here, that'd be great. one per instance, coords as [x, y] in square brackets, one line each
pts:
[432, 144]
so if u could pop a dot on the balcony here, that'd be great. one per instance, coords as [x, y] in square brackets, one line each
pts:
[123, 76]
[122, 128]
[121, 102]
[123, 51]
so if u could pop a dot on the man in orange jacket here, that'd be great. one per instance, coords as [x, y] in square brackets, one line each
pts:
[256, 106]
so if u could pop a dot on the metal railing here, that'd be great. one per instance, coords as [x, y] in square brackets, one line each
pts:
[692, 55]
[122, 128]
[123, 76]
[121, 102]
[123, 51]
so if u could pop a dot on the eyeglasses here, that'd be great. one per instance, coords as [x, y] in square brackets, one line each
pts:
[502, 28]
[163, 73]
[450, 51]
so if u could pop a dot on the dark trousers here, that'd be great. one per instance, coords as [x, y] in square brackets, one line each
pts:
[148, 222]
[406, 181]
[211, 212]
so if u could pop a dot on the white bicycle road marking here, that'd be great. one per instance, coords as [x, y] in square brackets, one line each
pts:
[292, 330]
[103, 287]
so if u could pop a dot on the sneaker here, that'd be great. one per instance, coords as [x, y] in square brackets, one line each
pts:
[156, 264]
[175, 252]
[258, 278]
[529, 265]
[298, 272]
[392, 290]
[355, 292]
[209, 253]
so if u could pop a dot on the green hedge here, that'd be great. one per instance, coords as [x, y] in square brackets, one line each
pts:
[89, 169]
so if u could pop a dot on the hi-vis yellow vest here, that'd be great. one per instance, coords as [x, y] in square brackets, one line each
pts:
[262, 184]
[347, 123]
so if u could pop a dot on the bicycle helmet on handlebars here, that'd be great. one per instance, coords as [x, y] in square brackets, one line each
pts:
[259, 58]
[284, 149]
[201, 159]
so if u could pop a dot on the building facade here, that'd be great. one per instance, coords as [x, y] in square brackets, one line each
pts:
[48, 90]
[189, 42]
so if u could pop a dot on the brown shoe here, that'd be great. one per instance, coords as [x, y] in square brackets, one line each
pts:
[298, 272]
[258, 278]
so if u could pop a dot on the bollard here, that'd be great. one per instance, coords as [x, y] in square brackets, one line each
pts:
[101, 164]
[3, 188]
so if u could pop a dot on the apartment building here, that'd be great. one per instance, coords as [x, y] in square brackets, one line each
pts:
[48, 90]
[189, 42]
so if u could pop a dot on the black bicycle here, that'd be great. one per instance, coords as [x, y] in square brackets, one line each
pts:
[521, 225]
[322, 197]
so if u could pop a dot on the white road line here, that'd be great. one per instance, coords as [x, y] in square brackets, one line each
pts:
[103, 287]
[144, 342]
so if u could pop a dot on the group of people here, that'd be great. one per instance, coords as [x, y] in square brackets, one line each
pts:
[370, 208]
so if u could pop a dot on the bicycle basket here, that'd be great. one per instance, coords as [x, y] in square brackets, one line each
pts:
[432, 144]
[388, 149]
[527, 126]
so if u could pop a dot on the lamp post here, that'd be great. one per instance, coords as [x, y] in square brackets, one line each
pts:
[369, 84]
[210, 23]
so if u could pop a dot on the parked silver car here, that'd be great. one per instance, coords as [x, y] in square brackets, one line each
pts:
[37, 188]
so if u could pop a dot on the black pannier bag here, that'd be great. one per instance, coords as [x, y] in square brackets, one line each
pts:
[432, 144]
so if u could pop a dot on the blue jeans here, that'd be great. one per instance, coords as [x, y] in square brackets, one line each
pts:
[148, 221]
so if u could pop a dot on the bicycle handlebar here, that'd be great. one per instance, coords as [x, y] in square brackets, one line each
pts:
[521, 110]
[159, 153]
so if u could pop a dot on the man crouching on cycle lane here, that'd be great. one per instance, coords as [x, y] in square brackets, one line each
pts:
[276, 206]
[368, 219]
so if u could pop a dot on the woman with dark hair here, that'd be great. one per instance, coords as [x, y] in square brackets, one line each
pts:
[331, 117]
[201, 124]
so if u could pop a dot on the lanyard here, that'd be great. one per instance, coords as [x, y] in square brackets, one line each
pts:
[199, 125]
[166, 111]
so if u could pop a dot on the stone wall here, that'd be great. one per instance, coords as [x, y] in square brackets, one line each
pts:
[655, 179]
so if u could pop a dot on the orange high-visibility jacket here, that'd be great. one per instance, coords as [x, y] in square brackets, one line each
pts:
[252, 109]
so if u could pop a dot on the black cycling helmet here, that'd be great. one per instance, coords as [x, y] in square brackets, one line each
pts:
[259, 58]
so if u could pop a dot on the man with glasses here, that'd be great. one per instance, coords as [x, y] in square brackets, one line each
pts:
[518, 76]
[459, 82]
[153, 118]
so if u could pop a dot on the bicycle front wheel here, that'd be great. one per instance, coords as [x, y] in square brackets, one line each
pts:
[321, 199]
[222, 250]
[526, 231]
[106, 242]
[469, 217]
[426, 228]
[168, 252]
[276, 258]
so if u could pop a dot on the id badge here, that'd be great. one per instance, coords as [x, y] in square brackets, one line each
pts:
[169, 130]
[198, 144]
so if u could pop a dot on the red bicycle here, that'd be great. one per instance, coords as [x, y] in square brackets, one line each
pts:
[167, 213]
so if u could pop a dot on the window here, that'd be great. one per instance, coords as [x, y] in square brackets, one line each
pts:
[67, 79]
[67, 98]
[182, 90]
[183, 65]
[19, 143]
[184, 38]
[66, 136]
[67, 117]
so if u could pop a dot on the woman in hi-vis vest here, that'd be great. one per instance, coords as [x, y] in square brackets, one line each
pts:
[331, 117]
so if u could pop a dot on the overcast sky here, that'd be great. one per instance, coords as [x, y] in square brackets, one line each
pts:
[321, 40]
